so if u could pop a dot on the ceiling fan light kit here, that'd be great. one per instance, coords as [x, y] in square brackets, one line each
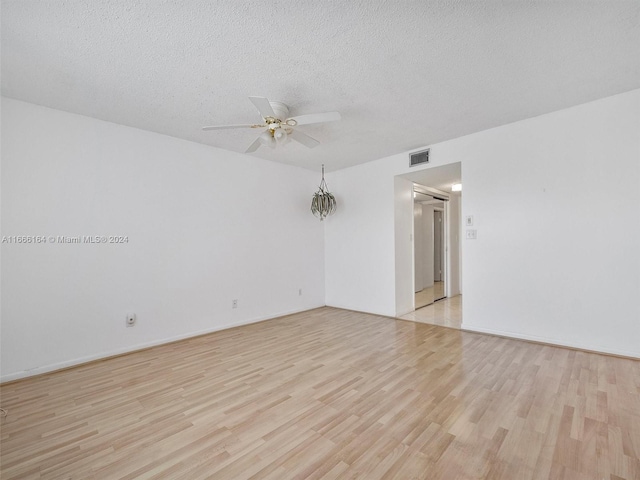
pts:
[279, 126]
[267, 139]
[323, 202]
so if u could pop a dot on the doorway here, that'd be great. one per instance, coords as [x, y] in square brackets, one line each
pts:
[429, 246]
[432, 294]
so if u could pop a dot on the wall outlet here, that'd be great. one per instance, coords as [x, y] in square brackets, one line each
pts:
[472, 234]
[131, 319]
[234, 304]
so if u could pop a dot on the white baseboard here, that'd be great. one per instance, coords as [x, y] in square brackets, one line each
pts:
[120, 351]
[552, 341]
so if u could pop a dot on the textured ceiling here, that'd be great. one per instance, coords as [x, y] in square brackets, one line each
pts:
[404, 74]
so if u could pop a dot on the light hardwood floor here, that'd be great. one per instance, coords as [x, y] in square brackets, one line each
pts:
[330, 394]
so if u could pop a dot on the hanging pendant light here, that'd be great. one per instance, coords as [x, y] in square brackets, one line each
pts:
[323, 202]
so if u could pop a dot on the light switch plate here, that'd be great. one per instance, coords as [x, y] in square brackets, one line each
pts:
[468, 220]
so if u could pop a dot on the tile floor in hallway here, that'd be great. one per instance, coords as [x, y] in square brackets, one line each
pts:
[446, 313]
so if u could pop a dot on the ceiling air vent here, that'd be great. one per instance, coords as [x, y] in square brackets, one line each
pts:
[419, 158]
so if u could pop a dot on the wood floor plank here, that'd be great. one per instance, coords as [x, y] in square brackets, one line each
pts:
[328, 394]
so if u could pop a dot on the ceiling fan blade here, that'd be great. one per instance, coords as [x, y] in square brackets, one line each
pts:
[263, 106]
[254, 146]
[316, 118]
[304, 139]
[226, 127]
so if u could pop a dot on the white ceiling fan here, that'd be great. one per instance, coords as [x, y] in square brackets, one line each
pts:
[279, 126]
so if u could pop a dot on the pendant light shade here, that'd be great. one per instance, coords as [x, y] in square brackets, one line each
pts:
[267, 139]
[280, 135]
[323, 202]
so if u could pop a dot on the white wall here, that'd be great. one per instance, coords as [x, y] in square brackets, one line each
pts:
[563, 268]
[403, 217]
[360, 240]
[205, 226]
[541, 268]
